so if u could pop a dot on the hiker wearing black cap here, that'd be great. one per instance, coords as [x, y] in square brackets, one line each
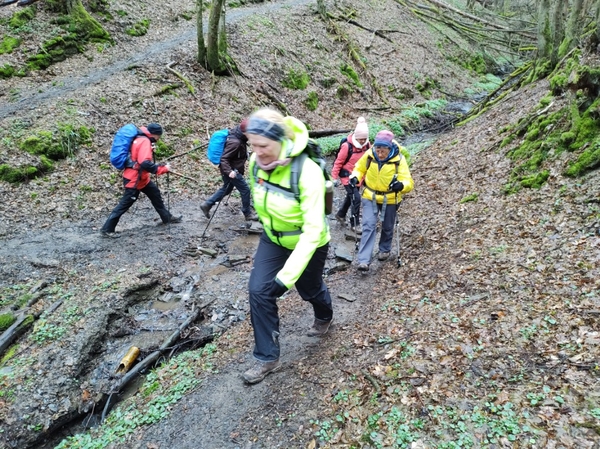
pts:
[137, 179]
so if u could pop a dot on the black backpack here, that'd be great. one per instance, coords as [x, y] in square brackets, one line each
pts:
[350, 148]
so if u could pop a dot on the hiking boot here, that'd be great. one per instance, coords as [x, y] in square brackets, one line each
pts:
[260, 370]
[109, 235]
[363, 267]
[341, 220]
[177, 219]
[205, 207]
[319, 328]
[357, 229]
[383, 256]
[251, 216]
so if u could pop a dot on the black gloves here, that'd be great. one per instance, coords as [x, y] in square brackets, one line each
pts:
[277, 289]
[396, 186]
[353, 181]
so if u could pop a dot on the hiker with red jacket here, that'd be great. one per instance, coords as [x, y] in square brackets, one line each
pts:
[356, 144]
[137, 179]
[231, 166]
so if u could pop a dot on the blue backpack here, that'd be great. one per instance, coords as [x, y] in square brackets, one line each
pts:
[120, 151]
[216, 144]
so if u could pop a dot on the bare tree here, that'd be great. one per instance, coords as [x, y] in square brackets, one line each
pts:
[212, 52]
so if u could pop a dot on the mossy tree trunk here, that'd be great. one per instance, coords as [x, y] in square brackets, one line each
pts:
[572, 29]
[213, 36]
[544, 33]
[200, 33]
[87, 27]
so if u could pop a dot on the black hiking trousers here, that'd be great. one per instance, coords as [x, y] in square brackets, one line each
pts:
[228, 184]
[129, 197]
[352, 199]
[268, 261]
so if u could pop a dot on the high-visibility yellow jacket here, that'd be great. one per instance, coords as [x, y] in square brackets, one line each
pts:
[296, 224]
[378, 176]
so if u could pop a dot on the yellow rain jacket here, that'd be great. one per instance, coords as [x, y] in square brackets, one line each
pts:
[300, 226]
[377, 180]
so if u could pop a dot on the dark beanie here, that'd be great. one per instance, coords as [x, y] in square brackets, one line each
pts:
[155, 128]
[244, 125]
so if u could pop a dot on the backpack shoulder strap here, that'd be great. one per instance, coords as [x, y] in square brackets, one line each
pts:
[350, 151]
[296, 169]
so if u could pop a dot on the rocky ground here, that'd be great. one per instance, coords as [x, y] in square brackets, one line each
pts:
[488, 330]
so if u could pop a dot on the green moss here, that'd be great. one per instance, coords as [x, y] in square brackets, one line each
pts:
[342, 92]
[6, 320]
[8, 44]
[296, 79]
[21, 17]
[470, 198]
[163, 150]
[588, 160]
[9, 354]
[535, 181]
[312, 101]
[18, 174]
[348, 71]
[6, 71]
[139, 28]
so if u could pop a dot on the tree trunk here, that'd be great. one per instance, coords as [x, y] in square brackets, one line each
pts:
[573, 28]
[213, 57]
[544, 33]
[200, 33]
[87, 27]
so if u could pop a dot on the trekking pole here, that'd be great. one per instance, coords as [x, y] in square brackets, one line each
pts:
[397, 226]
[169, 201]
[211, 217]
[352, 203]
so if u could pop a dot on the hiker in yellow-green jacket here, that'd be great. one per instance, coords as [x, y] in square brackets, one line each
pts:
[293, 247]
[386, 179]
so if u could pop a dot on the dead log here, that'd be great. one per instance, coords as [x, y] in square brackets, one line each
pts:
[150, 359]
[328, 132]
[15, 331]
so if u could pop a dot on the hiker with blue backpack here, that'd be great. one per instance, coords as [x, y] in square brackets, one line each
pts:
[228, 149]
[288, 189]
[138, 164]
[386, 177]
[351, 150]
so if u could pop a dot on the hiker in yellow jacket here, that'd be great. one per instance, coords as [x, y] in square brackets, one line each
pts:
[293, 247]
[386, 179]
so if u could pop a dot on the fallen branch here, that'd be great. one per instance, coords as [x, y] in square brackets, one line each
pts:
[182, 176]
[16, 330]
[196, 148]
[180, 76]
[373, 382]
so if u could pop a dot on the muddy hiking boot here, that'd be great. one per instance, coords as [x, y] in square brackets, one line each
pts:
[341, 220]
[260, 370]
[357, 229]
[363, 267]
[251, 216]
[205, 208]
[383, 256]
[109, 235]
[174, 219]
[319, 328]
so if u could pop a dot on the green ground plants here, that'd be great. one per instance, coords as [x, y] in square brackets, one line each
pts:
[296, 79]
[8, 44]
[50, 146]
[6, 320]
[312, 101]
[140, 28]
[163, 387]
[21, 17]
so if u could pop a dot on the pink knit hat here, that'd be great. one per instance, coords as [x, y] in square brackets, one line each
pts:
[362, 130]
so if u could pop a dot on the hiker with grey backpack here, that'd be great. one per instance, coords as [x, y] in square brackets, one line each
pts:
[386, 177]
[228, 149]
[351, 150]
[133, 152]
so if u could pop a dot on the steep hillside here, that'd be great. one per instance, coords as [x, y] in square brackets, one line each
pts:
[485, 336]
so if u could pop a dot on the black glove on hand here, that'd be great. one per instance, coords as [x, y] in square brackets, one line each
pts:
[397, 186]
[277, 289]
[353, 181]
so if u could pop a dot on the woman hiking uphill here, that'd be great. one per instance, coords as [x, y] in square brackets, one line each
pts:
[350, 152]
[386, 178]
[293, 247]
